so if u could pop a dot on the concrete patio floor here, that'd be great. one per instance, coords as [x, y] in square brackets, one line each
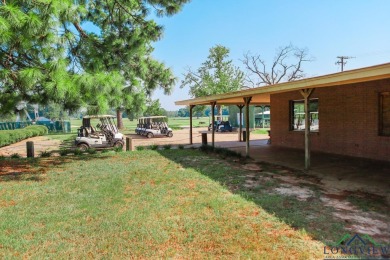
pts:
[335, 172]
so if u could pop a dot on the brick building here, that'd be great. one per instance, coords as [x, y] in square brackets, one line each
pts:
[348, 122]
[348, 112]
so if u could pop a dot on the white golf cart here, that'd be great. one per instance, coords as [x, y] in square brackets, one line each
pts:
[140, 126]
[153, 126]
[104, 135]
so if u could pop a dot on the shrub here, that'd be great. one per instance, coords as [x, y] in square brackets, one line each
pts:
[118, 149]
[219, 150]
[227, 152]
[8, 137]
[206, 148]
[153, 147]
[140, 148]
[77, 152]
[64, 152]
[167, 147]
[16, 156]
[181, 147]
[45, 154]
[91, 150]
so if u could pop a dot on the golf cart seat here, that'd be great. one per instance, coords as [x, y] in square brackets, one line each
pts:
[87, 131]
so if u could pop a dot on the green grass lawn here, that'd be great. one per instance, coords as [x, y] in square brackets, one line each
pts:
[263, 131]
[149, 204]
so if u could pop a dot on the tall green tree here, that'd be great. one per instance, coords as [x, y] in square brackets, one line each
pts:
[136, 106]
[183, 112]
[199, 111]
[216, 75]
[154, 108]
[49, 53]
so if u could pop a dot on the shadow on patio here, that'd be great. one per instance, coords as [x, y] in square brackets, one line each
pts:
[335, 172]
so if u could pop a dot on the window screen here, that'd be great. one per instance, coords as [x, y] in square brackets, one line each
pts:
[298, 115]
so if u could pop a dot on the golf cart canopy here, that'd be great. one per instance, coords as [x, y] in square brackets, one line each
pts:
[149, 119]
[152, 117]
[99, 116]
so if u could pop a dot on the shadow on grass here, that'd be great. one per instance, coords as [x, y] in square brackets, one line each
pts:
[28, 169]
[258, 185]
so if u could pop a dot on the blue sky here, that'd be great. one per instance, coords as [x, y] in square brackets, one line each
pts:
[328, 28]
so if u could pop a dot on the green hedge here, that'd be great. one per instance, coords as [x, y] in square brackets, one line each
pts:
[8, 137]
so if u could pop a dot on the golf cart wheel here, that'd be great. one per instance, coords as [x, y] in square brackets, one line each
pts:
[149, 135]
[118, 144]
[83, 147]
[170, 134]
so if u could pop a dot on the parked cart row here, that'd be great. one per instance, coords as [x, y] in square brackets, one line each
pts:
[153, 126]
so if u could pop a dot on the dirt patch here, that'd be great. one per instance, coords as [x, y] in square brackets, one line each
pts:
[300, 193]
[251, 167]
[16, 170]
[254, 180]
[356, 220]
[251, 183]
[360, 212]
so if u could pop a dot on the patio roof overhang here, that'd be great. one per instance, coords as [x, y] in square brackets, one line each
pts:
[261, 95]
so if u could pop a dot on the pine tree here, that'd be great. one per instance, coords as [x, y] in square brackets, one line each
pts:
[47, 54]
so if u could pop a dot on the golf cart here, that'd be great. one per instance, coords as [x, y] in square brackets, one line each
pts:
[153, 126]
[140, 126]
[104, 135]
[223, 126]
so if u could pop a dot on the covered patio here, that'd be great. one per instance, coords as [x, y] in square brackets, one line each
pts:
[335, 173]
[303, 88]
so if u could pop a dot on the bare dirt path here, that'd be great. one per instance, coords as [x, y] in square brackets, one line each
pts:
[225, 139]
[180, 137]
[41, 144]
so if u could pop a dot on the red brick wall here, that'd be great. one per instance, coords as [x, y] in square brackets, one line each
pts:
[348, 122]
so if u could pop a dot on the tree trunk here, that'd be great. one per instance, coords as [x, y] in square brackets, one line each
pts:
[119, 120]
